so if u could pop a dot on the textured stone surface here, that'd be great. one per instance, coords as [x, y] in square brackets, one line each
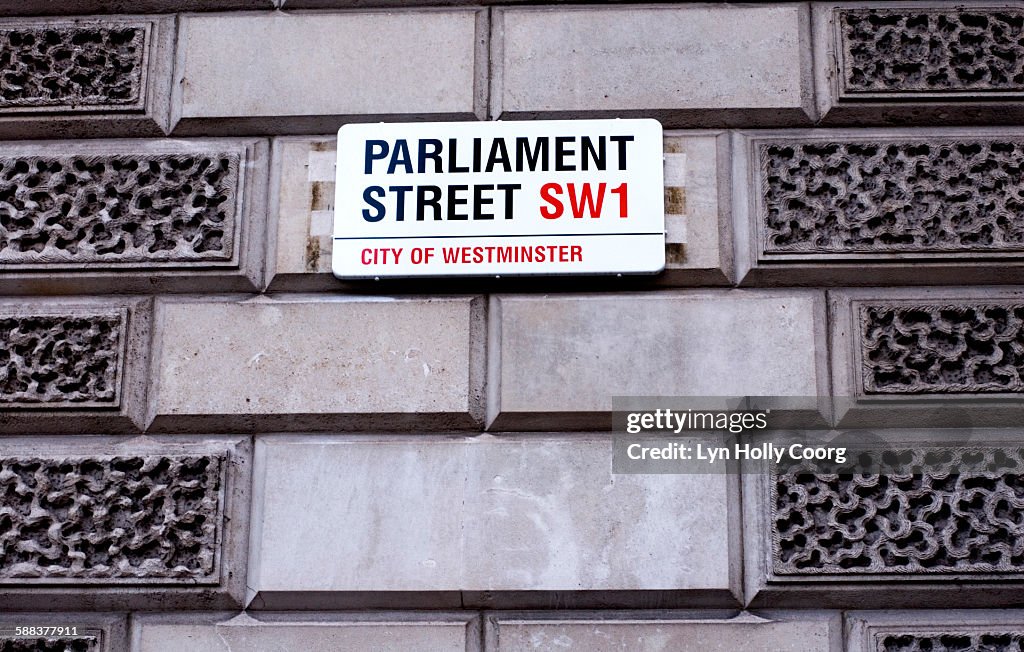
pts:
[93, 632]
[310, 632]
[563, 357]
[488, 517]
[877, 196]
[959, 511]
[937, 357]
[73, 65]
[51, 644]
[154, 208]
[62, 360]
[932, 50]
[963, 347]
[106, 523]
[709, 65]
[428, 59]
[103, 216]
[663, 632]
[73, 365]
[951, 642]
[936, 631]
[119, 519]
[307, 362]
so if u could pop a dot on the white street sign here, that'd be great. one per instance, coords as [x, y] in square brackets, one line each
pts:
[499, 198]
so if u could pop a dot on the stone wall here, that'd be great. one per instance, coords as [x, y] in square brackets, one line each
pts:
[210, 443]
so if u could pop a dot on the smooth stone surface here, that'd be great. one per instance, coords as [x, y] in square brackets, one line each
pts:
[485, 514]
[426, 57]
[309, 632]
[665, 632]
[689, 65]
[317, 362]
[563, 357]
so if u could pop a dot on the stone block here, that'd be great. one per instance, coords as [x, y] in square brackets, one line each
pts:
[688, 66]
[317, 363]
[86, 77]
[310, 631]
[966, 629]
[955, 64]
[356, 66]
[73, 365]
[132, 215]
[658, 631]
[881, 206]
[507, 522]
[73, 632]
[558, 360]
[698, 249]
[117, 523]
[928, 518]
[927, 357]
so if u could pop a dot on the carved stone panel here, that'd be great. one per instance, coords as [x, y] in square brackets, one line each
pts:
[930, 51]
[62, 360]
[111, 519]
[948, 348]
[73, 66]
[943, 511]
[51, 644]
[875, 196]
[159, 209]
[951, 641]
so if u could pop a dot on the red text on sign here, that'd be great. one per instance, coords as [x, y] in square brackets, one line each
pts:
[581, 200]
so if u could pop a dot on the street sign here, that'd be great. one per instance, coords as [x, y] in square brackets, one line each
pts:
[553, 197]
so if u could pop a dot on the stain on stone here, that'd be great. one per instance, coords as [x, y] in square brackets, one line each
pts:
[675, 253]
[321, 196]
[312, 254]
[675, 200]
[673, 146]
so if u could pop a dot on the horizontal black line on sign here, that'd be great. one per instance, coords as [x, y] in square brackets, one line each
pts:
[506, 235]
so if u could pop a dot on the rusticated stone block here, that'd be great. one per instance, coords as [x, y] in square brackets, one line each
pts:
[69, 632]
[120, 519]
[943, 357]
[936, 631]
[318, 363]
[122, 523]
[932, 50]
[156, 209]
[151, 208]
[655, 631]
[950, 641]
[696, 65]
[911, 518]
[959, 512]
[72, 365]
[391, 631]
[876, 196]
[698, 244]
[85, 77]
[74, 66]
[355, 65]
[62, 360]
[911, 205]
[944, 63]
[942, 348]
